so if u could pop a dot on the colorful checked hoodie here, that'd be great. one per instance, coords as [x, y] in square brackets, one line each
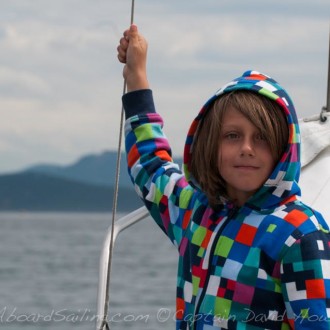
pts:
[265, 265]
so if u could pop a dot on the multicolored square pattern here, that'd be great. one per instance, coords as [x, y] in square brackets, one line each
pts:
[265, 265]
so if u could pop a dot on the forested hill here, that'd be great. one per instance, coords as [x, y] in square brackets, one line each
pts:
[40, 192]
[97, 169]
[86, 185]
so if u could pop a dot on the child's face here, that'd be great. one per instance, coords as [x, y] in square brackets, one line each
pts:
[245, 160]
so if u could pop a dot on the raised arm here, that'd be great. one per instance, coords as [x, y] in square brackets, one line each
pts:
[158, 181]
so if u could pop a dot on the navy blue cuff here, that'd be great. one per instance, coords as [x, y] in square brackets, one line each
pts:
[138, 102]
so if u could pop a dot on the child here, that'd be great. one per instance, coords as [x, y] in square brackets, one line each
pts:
[251, 254]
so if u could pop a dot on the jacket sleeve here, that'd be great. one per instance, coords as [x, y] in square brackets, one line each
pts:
[305, 275]
[158, 181]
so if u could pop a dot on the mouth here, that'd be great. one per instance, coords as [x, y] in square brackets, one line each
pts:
[246, 167]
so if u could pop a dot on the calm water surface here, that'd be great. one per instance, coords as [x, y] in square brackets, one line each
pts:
[50, 265]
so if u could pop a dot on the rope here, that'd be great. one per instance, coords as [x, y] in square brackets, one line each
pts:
[115, 200]
[115, 196]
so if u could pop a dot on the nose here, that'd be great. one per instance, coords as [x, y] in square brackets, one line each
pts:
[247, 147]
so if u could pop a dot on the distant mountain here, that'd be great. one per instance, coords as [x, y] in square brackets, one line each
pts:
[40, 192]
[98, 169]
[86, 185]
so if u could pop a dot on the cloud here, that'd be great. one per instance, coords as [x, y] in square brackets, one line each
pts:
[61, 83]
[15, 82]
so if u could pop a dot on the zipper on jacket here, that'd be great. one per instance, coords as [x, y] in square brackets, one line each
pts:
[232, 213]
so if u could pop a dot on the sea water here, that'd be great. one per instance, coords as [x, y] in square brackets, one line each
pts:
[49, 268]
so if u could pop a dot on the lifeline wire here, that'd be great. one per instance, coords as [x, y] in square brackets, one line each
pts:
[115, 199]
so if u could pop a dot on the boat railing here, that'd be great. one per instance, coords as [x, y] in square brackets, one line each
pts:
[103, 297]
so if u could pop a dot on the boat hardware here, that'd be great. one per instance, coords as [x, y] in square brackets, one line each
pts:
[103, 296]
[323, 118]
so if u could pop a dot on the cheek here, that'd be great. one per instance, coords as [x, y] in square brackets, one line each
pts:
[269, 157]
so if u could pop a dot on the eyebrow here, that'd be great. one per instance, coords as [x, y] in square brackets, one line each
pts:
[231, 126]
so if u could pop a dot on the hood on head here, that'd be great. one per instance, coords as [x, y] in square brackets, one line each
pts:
[282, 182]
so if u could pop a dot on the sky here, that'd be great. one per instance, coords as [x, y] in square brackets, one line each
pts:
[61, 83]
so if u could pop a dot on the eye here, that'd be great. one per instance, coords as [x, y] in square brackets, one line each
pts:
[231, 136]
[261, 137]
